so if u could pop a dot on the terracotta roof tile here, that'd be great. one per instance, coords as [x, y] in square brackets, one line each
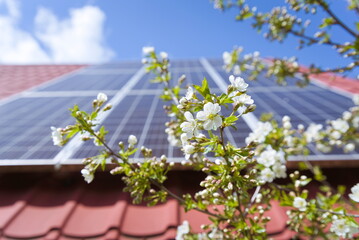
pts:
[330, 80]
[96, 213]
[17, 78]
[67, 208]
[153, 221]
[335, 81]
[46, 210]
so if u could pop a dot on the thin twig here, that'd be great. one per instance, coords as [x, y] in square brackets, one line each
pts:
[338, 21]
[314, 40]
[339, 213]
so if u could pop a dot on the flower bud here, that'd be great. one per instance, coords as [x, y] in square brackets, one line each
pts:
[132, 140]
[107, 107]
[181, 79]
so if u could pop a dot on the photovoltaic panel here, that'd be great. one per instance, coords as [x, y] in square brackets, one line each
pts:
[25, 125]
[25, 133]
[85, 82]
[311, 104]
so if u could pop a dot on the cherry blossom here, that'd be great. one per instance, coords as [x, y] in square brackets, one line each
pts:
[209, 116]
[190, 127]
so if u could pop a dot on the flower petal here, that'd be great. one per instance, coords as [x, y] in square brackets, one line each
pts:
[217, 122]
[216, 108]
[188, 116]
[201, 115]
[208, 107]
[208, 125]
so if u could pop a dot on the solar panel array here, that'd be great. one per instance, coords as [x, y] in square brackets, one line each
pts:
[26, 119]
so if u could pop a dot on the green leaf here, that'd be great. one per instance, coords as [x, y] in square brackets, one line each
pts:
[93, 115]
[204, 89]
[302, 166]
[72, 133]
[132, 152]
[341, 189]
[266, 117]
[327, 22]
[231, 119]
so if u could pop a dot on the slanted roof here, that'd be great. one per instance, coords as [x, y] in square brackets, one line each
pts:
[61, 205]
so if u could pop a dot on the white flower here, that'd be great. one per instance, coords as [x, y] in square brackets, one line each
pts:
[147, 50]
[215, 234]
[184, 139]
[286, 122]
[287, 125]
[286, 119]
[227, 58]
[280, 170]
[132, 140]
[218, 161]
[189, 127]
[340, 125]
[238, 83]
[243, 99]
[340, 227]
[101, 97]
[300, 203]
[188, 150]
[56, 136]
[300, 127]
[347, 115]
[349, 147]
[355, 193]
[259, 134]
[312, 132]
[247, 56]
[163, 55]
[237, 70]
[182, 230]
[189, 93]
[323, 148]
[356, 99]
[267, 158]
[87, 175]
[267, 175]
[210, 116]
[172, 138]
[335, 134]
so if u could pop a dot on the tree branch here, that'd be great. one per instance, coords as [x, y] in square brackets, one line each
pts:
[338, 21]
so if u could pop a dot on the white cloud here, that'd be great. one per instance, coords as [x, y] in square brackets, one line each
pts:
[77, 39]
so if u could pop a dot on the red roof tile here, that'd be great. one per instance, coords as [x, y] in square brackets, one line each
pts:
[64, 207]
[17, 78]
[330, 80]
[334, 81]
[67, 208]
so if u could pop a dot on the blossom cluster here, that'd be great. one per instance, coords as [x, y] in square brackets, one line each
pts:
[240, 182]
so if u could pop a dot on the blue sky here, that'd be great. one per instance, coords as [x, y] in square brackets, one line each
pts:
[99, 31]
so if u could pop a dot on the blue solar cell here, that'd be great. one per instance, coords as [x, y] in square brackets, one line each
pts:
[90, 82]
[25, 124]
